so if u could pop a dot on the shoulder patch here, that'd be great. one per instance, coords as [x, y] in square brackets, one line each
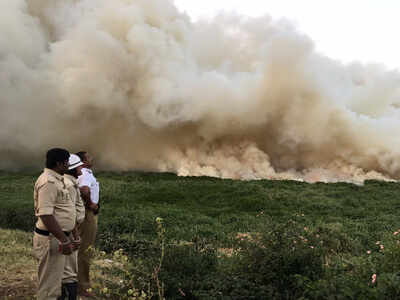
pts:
[41, 184]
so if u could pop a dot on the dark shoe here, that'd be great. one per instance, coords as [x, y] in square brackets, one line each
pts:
[63, 292]
[72, 289]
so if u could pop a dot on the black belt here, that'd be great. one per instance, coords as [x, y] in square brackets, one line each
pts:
[47, 233]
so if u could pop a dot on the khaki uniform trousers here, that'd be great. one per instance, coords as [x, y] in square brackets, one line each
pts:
[54, 267]
[87, 232]
[70, 274]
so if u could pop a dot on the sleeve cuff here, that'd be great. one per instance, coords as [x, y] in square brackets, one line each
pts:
[45, 211]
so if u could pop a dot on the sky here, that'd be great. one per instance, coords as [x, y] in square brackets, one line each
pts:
[347, 30]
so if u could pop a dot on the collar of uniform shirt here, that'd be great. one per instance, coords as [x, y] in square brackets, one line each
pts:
[53, 173]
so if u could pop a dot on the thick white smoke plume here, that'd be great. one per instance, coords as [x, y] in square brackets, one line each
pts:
[142, 87]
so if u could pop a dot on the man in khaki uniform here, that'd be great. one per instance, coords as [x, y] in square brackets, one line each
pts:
[70, 276]
[56, 214]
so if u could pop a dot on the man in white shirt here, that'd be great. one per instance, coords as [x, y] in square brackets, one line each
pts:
[89, 188]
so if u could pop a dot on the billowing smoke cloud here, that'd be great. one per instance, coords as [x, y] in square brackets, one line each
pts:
[142, 87]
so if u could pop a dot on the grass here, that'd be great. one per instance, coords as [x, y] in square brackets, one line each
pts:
[17, 266]
[223, 237]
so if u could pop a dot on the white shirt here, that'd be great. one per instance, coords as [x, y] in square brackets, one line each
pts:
[87, 179]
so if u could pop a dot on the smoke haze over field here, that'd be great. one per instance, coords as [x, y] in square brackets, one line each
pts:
[140, 86]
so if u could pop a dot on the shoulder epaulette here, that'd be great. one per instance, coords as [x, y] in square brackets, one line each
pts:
[43, 182]
[51, 179]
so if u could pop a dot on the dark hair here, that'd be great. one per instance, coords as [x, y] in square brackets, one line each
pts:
[82, 155]
[54, 156]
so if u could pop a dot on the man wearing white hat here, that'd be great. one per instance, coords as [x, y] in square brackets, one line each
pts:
[70, 276]
[89, 188]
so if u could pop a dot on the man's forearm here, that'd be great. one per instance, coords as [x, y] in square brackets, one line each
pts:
[85, 194]
[86, 199]
[52, 226]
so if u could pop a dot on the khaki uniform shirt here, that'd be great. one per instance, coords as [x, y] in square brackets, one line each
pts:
[72, 186]
[52, 198]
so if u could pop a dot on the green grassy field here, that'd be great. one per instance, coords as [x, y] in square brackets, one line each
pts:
[226, 239]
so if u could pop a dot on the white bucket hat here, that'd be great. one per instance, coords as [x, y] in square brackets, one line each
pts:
[74, 162]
